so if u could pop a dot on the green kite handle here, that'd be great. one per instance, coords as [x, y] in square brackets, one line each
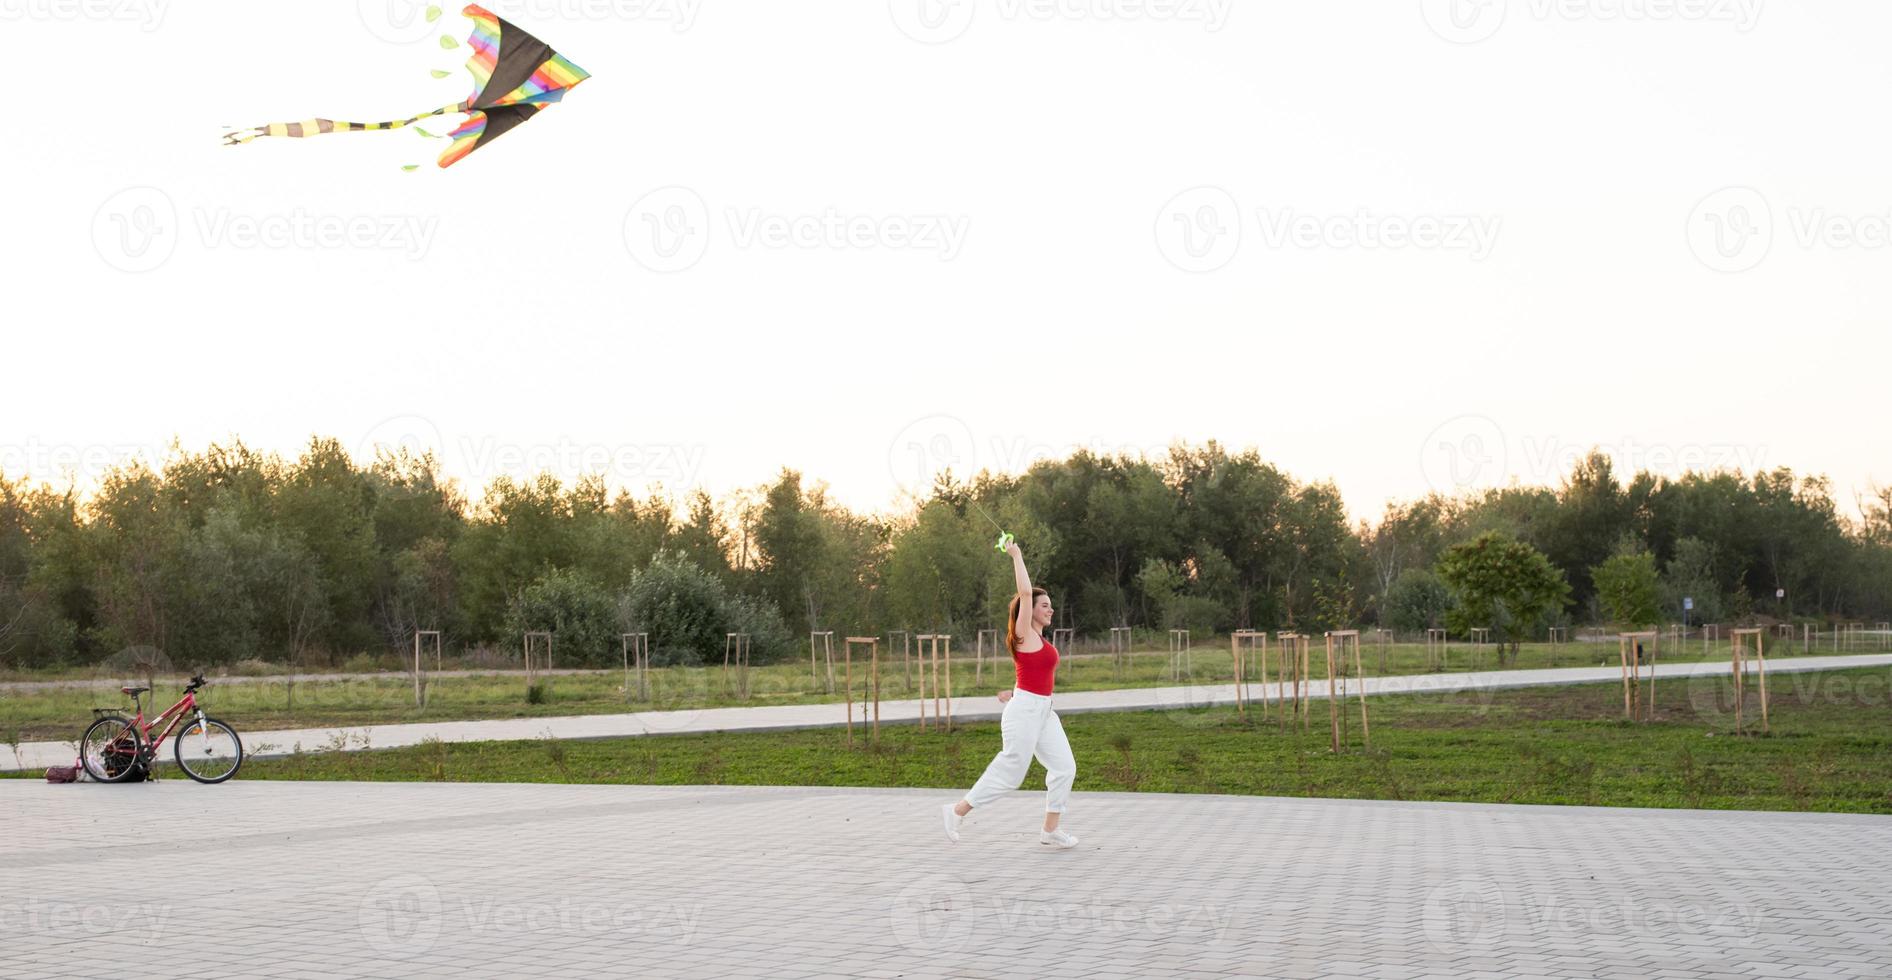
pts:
[1005, 538]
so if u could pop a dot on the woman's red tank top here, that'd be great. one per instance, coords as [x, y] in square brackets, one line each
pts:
[1037, 669]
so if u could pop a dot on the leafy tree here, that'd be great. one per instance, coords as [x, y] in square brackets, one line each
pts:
[1690, 574]
[520, 531]
[612, 539]
[703, 538]
[1628, 588]
[33, 628]
[1409, 537]
[328, 505]
[132, 541]
[1177, 604]
[1418, 600]
[417, 593]
[792, 551]
[1592, 513]
[1504, 585]
[211, 600]
[1336, 606]
[937, 569]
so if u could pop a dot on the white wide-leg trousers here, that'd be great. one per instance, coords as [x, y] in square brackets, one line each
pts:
[1030, 728]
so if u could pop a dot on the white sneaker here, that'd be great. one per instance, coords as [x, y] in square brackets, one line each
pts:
[952, 821]
[1057, 838]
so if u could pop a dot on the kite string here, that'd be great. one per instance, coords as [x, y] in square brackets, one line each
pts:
[317, 127]
[1005, 536]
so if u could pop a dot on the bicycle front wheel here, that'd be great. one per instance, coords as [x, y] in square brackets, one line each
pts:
[208, 751]
[110, 749]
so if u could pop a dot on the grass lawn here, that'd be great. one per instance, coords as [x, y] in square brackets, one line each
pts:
[263, 703]
[1830, 749]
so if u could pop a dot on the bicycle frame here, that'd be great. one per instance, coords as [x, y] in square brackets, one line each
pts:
[170, 718]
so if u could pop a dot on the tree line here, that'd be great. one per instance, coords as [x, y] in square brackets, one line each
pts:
[231, 554]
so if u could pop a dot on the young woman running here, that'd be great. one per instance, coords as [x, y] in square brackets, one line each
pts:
[1028, 725]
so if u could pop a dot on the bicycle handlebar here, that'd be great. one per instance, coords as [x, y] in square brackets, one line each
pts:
[196, 682]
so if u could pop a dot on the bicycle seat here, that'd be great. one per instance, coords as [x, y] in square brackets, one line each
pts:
[134, 691]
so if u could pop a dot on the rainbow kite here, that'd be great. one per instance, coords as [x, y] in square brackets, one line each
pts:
[515, 74]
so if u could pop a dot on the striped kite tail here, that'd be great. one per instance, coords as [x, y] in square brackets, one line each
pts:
[316, 127]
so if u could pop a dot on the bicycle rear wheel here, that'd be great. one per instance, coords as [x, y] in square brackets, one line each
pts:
[110, 749]
[208, 751]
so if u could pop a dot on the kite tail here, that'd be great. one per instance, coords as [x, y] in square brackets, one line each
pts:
[316, 127]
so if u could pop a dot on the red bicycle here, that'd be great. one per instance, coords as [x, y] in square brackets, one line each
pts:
[116, 748]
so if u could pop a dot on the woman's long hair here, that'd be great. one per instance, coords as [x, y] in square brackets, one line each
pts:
[1011, 618]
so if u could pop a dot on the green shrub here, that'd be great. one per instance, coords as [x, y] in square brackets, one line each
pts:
[576, 610]
[688, 614]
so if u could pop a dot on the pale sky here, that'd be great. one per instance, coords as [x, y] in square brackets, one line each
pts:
[1399, 245]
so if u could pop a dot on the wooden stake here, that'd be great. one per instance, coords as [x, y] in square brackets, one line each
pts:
[1235, 655]
[737, 645]
[1366, 735]
[1120, 637]
[1760, 661]
[1333, 701]
[1622, 650]
[1306, 681]
[1737, 641]
[531, 675]
[636, 649]
[1283, 643]
[949, 682]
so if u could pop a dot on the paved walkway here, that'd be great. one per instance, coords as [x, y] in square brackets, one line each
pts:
[170, 677]
[1695, 683]
[459, 881]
